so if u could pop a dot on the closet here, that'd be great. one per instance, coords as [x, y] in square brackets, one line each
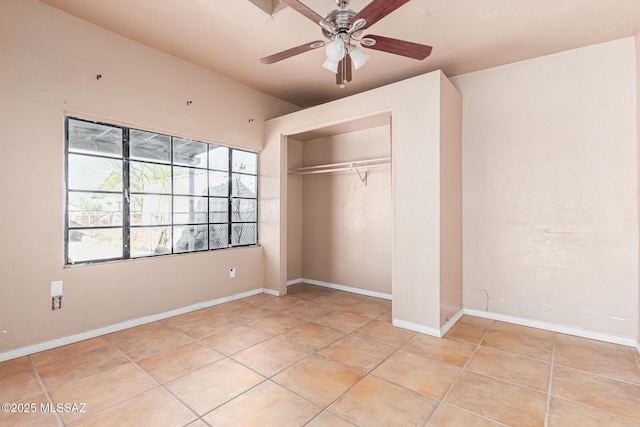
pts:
[339, 210]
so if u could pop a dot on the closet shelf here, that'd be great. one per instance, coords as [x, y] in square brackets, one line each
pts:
[345, 166]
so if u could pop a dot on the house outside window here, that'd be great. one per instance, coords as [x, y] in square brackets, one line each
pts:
[133, 193]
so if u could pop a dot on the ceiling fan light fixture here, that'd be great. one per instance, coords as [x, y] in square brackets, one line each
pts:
[331, 65]
[335, 50]
[358, 57]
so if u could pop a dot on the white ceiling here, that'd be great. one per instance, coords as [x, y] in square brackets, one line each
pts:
[229, 37]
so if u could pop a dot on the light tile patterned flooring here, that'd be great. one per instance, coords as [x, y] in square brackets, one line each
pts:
[322, 357]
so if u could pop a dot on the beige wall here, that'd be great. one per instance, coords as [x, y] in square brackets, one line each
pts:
[49, 65]
[637, 43]
[346, 232]
[450, 203]
[550, 189]
[294, 211]
[415, 107]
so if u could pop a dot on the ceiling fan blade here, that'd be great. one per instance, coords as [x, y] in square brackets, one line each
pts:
[291, 52]
[399, 47]
[304, 10]
[378, 9]
[344, 71]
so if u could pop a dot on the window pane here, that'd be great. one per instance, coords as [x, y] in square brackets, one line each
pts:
[218, 210]
[150, 210]
[94, 244]
[218, 184]
[218, 158]
[149, 146]
[218, 236]
[244, 210]
[94, 209]
[243, 185]
[189, 181]
[189, 210]
[190, 238]
[85, 137]
[244, 234]
[94, 173]
[150, 241]
[190, 153]
[245, 162]
[150, 178]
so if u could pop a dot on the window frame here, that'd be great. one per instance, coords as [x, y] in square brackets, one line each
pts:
[127, 196]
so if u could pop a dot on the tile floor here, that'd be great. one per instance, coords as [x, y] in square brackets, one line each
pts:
[321, 357]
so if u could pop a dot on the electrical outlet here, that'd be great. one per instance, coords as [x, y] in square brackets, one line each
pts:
[56, 302]
[232, 273]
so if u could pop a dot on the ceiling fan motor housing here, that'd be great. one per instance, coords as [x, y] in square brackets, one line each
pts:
[341, 18]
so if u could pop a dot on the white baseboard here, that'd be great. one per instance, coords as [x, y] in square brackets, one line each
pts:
[271, 292]
[340, 287]
[434, 332]
[59, 342]
[638, 346]
[614, 339]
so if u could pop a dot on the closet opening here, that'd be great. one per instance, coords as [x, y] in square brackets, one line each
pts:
[339, 206]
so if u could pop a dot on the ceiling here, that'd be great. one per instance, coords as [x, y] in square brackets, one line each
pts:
[229, 37]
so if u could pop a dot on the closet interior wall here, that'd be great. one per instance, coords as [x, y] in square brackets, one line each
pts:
[339, 225]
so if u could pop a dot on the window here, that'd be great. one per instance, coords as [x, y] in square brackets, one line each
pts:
[133, 193]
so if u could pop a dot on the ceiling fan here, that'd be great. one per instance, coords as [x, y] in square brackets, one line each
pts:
[342, 28]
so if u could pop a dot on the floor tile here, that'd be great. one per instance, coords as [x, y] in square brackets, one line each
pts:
[418, 373]
[34, 416]
[312, 336]
[451, 416]
[103, 389]
[368, 308]
[607, 394]
[272, 302]
[511, 367]
[319, 379]
[276, 324]
[606, 359]
[197, 423]
[339, 300]
[60, 372]
[384, 333]
[70, 350]
[497, 400]
[235, 339]
[270, 405]
[152, 408]
[358, 352]
[523, 330]
[19, 386]
[564, 413]
[14, 365]
[137, 331]
[376, 402]
[209, 387]
[154, 342]
[476, 321]
[204, 326]
[244, 312]
[343, 321]
[524, 345]
[307, 292]
[467, 332]
[443, 349]
[179, 361]
[308, 311]
[386, 317]
[328, 419]
[272, 356]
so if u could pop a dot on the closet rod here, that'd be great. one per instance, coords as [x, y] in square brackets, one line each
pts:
[336, 167]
